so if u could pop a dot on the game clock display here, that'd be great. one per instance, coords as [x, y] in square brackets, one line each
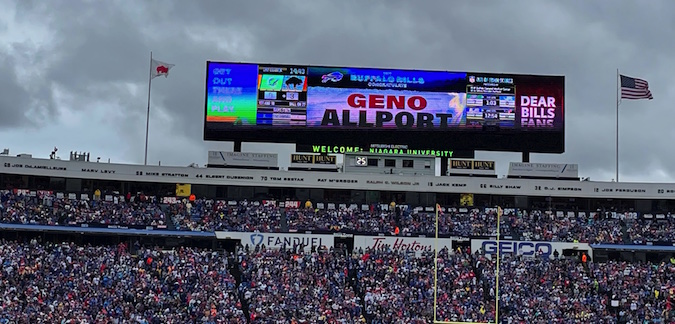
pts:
[490, 102]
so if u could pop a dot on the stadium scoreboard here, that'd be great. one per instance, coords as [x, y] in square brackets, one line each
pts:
[314, 105]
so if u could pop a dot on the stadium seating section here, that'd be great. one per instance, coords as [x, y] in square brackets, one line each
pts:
[43, 282]
[249, 216]
[67, 283]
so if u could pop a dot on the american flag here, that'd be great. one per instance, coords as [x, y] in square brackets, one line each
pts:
[634, 88]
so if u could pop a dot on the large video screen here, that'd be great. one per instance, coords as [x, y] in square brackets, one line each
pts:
[361, 106]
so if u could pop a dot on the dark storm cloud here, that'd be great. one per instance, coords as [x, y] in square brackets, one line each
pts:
[100, 52]
[22, 104]
[13, 97]
[93, 44]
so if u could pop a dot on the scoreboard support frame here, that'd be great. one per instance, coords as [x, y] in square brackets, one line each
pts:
[526, 157]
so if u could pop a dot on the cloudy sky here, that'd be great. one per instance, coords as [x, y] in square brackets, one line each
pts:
[75, 74]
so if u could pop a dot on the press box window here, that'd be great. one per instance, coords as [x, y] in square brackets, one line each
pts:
[427, 165]
[407, 163]
[389, 163]
[372, 162]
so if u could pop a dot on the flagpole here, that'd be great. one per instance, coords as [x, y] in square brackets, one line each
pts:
[147, 118]
[617, 124]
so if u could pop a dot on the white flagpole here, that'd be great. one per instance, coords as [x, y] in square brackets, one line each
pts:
[618, 101]
[147, 118]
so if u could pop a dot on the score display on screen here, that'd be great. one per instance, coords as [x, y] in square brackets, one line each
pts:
[248, 102]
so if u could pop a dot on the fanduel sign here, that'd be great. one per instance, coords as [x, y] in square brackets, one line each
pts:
[279, 240]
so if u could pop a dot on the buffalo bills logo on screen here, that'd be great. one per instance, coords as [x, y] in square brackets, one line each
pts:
[256, 239]
[293, 83]
[333, 77]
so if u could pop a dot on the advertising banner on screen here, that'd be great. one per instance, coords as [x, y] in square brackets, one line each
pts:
[543, 170]
[263, 160]
[389, 149]
[527, 248]
[472, 167]
[232, 93]
[381, 99]
[279, 240]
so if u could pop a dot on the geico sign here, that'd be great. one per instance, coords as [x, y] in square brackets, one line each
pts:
[518, 248]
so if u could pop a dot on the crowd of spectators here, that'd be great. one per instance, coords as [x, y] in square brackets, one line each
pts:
[373, 220]
[397, 287]
[532, 289]
[51, 210]
[537, 290]
[582, 227]
[251, 216]
[471, 222]
[218, 215]
[596, 227]
[651, 230]
[466, 287]
[66, 283]
[281, 286]
[69, 283]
